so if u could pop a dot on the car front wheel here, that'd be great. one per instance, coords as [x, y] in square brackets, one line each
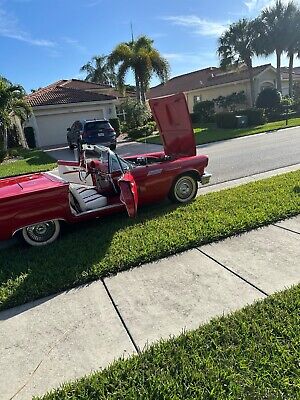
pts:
[184, 189]
[42, 233]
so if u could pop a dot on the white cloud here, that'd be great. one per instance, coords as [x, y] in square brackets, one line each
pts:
[190, 58]
[74, 43]
[258, 5]
[93, 3]
[199, 25]
[9, 28]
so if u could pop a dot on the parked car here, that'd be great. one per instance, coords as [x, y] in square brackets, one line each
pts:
[35, 205]
[96, 131]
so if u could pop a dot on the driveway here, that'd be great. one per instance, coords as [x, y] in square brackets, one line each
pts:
[123, 149]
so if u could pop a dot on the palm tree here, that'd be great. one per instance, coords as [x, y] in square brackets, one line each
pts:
[12, 105]
[237, 46]
[276, 31]
[293, 48]
[143, 59]
[98, 71]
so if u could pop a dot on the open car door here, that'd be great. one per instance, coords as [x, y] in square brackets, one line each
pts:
[174, 123]
[129, 195]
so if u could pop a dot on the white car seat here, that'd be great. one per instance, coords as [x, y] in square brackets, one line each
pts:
[87, 197]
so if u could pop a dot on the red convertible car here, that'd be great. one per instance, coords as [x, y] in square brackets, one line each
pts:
[35, 205]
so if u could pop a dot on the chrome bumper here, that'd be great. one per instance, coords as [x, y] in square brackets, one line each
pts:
[205, 178]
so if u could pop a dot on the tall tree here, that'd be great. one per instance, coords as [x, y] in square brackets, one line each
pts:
[99, 71]
[236, 46]
[276, 31]
[293, 48]
[143, 60]
[12, 104]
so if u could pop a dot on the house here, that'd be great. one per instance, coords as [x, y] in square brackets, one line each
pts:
[58, 105]
[212, 82]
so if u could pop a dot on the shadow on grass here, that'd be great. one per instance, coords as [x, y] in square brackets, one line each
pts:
[36, 157]
[82, 254]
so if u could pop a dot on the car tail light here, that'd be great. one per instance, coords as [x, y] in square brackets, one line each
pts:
[110, 130]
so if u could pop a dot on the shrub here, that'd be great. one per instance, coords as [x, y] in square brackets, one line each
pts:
[232, 101]
[226, 120]
[115, 123]
[30, 138]
[142, 131]
[204, 110]
[13, 152]
[137, 113]
[195, 118]
[255, 116]
[269, 99]
[2, 155]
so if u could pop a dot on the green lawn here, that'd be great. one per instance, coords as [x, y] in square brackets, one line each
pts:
[207, 133]
[33, 161]
[252, 354]
[98, 248]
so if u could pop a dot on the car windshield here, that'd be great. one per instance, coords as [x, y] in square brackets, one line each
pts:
[97, 126]
[112, 160]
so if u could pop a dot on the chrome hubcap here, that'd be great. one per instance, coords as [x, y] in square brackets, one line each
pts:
[184, 188]
[41, 232]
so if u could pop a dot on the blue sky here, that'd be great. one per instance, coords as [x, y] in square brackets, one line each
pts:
[42, 41]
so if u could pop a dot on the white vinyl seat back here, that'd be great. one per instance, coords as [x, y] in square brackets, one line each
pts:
[87, 197]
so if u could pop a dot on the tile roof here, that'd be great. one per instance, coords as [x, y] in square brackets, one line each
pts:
[82, 85]
[285, 72]
[58, 93]
[202, 78]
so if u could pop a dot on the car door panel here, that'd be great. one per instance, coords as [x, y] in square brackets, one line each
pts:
[129, 194]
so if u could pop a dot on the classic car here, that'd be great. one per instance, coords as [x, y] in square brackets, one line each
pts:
[35, 205]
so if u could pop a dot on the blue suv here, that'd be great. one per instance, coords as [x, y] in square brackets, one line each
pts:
[95, 131]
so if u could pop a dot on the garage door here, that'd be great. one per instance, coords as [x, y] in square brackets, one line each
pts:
[53, 128]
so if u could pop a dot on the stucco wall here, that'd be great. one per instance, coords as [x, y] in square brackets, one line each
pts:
[267, 76]
[216, 91]
[50, 123]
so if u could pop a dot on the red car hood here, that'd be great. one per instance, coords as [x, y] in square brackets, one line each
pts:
[174, 123]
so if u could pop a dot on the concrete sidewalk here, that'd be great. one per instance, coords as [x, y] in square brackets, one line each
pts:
[63, 337]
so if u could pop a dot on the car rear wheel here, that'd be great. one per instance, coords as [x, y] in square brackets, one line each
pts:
[42, 233]
[184, 189]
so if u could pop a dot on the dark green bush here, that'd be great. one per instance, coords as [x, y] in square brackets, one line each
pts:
[269, 99]
[255, 116]
[2, 155]
[195, 118]
[13, 152]
[226, 120]
[204, 110]
[30, 138]
[115, 123]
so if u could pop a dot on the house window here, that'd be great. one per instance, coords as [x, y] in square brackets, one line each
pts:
[197, 99]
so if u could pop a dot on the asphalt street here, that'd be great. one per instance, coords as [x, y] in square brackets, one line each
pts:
[229, 159]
